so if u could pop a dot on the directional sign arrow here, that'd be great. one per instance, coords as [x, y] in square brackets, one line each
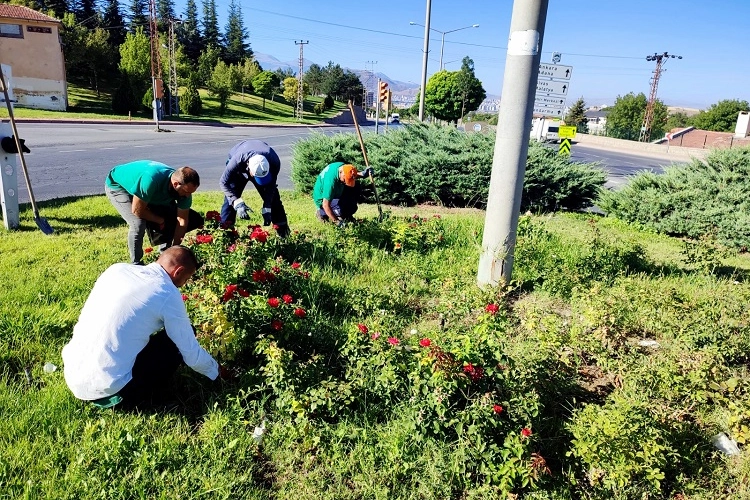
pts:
[548, 100]
[552, 87]
[548, 111]
[555, 71]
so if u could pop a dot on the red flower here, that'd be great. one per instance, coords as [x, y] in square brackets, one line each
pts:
[288, 299]
[277, 324]
[276, 227]
[259, 234]
[243, 293]
[305, 275]
[362, 328]
[270, 276]
[273, 302]
[497, 409]
[259, 275]
[213, 215]
[148, 250]
[184, 297]
[276, 269]
[474, 372]
[425, 342]
[300, 313]
[204, 238]
[295, 265]
[393, 340]
[375, 336]
[492, 308]
[229, 292]
[526, 432]
[231, 248]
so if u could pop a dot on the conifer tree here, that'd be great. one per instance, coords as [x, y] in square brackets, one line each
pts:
[113, 22]
[138, 15]
[189, 34]
[211, 33]
[236, 35]
[577, 116]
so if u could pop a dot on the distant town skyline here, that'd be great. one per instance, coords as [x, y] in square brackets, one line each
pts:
[605, 42]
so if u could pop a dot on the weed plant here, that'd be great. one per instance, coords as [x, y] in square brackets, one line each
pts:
[381, 370]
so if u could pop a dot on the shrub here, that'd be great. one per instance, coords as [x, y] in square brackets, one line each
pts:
[190, 101]
[124, 99]
[700, 199]
[431, 164]
[147, 101]
[328, 102]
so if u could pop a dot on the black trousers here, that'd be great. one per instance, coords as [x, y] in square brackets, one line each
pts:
[152, 371]
[165, 237]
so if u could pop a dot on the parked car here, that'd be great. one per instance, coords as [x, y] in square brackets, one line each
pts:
[394, 118]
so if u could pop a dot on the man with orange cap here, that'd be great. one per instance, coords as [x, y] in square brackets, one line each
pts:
[334, 193]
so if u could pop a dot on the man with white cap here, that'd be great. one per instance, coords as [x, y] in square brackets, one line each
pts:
[253, 161]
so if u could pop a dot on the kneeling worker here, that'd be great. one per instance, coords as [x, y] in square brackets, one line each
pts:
[335, 193]
[154, 196]
[134, 332]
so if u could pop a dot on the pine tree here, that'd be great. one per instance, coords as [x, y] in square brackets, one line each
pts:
[577, 116]
[188, 33]
[165, 11]
[211, 33]
[138, 15]
[86, 14]
[236, 34]
[59, 7]
[113, 22]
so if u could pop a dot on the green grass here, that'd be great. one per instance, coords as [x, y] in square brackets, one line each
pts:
[84, 103]
[53, 446]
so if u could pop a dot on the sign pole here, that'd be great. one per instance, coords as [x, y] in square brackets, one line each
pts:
[512, 142]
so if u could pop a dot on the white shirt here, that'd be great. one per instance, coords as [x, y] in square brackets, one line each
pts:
[127, 305]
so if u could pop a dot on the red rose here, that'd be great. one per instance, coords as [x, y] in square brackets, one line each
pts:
[184, 297]
[526, 432]
[497, 409]
[288, 299]
[363, 328]
[492, 308]
[273, 302]
[213, 215]
[243, 293]
[300, 313]
[277, 324]
[231, 248]
[260, 276]
[425, 342]
[204, 238]
[393, 340]
[148, 250]
[229, 292]
[276, 269]
[295, 265]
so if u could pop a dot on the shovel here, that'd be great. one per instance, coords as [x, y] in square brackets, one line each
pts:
[41, 222]
[367, 162]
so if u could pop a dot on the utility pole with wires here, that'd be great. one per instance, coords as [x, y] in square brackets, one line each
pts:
[174, 89]
[648, 116]
[300, 94]
[156, 80]
[367, 84]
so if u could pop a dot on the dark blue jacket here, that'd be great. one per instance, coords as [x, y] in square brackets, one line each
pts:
[235, 176]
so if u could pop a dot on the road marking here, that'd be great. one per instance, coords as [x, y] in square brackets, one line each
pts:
[142, 146]
[73, 151]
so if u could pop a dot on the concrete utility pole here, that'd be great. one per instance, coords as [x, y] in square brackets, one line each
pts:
[156, 80]
[424, 59]
[648, 116]
[512, 141]
[300, 94]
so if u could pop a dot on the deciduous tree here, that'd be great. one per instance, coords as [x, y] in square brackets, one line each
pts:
[626, 117]
[720, 117]
[220, 85]
[265, 84]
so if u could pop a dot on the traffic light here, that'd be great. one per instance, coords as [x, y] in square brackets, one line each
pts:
[383, 91]
[387, 102]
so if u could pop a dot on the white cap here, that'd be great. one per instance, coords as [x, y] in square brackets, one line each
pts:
[259, 168]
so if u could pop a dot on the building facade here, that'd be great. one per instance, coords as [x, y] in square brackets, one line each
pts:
[30, 45]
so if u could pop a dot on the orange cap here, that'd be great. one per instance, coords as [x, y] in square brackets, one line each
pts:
[350, 175]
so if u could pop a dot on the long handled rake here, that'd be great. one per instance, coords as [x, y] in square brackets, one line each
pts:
[41, 222]
[367, 162]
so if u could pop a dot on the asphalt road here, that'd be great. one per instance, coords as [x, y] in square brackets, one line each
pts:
[73, 159]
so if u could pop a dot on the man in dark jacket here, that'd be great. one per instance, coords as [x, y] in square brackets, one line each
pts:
[253, 161]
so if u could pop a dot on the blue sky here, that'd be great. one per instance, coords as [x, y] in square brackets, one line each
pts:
[605, 41]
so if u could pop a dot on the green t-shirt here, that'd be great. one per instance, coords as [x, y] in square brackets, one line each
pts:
[149, 181]
[328, 186]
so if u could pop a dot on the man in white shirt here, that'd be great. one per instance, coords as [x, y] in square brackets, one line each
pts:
[134, 332]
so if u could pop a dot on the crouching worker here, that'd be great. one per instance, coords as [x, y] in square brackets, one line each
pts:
[256, 162]
[335, 192]
[134, 332]
[154, 196]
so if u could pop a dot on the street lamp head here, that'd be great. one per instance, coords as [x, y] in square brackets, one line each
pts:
[413, 23]
[474, 25]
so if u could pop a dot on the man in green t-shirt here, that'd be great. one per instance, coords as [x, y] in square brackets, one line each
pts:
[154, 196]
[335, 193]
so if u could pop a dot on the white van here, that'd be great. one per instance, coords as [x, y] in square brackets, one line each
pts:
[394, 118]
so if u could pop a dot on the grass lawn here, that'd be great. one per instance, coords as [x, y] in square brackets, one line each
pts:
[84, 103]
[402, 379]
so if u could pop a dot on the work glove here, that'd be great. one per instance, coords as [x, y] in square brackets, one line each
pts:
[266, 217]
[341, 223]
[368, 172]
[243, 211]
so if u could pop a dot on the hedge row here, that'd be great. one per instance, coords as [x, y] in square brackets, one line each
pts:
[431, 164]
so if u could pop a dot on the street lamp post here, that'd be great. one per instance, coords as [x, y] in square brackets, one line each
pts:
[442, 37]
